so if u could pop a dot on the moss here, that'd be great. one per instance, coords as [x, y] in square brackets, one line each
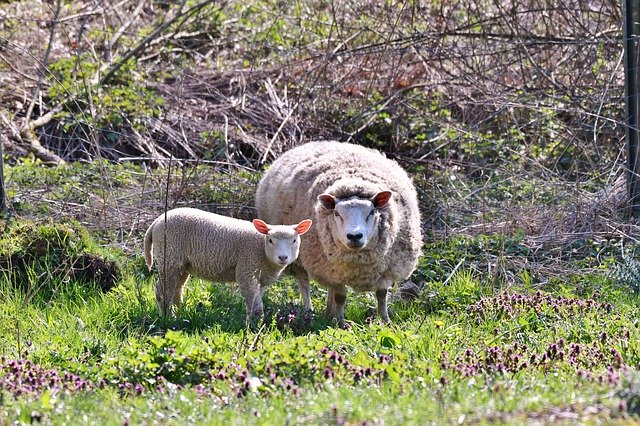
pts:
[40, 257]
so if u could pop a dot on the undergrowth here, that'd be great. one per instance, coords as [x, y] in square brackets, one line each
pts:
[502, 350]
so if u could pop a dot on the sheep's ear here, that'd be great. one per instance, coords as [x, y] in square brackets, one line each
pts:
[328, 201]
[262, 227]
[381, 199]
[303, 226]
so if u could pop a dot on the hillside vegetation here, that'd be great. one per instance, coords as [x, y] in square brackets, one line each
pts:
[508, 116]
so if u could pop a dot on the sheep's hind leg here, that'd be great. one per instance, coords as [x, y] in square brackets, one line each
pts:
[331, 304]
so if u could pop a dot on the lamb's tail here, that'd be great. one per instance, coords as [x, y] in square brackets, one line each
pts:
[148, 243]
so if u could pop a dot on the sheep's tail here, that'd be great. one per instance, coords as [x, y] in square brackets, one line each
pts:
[148, 242]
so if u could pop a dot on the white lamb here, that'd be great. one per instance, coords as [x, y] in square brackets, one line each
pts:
[367, 232]
[218, 248]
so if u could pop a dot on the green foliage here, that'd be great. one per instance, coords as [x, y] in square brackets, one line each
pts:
[88, 105]
[627, 272]
[70, 183]
[269, 31]
[225, 189]
[440, 257]
[470, 346]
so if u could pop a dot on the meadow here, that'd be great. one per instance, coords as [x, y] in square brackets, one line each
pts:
[465, 345]
[509, 117]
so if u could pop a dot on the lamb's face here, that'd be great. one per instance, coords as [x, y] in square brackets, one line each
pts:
[355, 220]
[282, 242]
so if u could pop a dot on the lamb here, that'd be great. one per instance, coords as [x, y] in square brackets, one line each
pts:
[218, 248]
[367, 232]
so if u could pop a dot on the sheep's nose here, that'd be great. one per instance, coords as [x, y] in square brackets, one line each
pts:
[283, 258]
[354, 237]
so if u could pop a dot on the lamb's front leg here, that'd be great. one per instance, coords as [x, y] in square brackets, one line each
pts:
[252, 294]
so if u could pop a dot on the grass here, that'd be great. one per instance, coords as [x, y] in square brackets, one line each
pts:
[524, 324]
[464, 351]
[492, 337]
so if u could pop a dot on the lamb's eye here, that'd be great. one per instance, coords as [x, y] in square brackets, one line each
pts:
[336, 214]
[371, 213]
[270, 241]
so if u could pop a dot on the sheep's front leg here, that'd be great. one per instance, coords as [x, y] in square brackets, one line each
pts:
[336, 299]
[303, 285]
[381, 295]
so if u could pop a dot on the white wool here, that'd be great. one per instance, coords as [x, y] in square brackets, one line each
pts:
[217, 248]
[289, 191]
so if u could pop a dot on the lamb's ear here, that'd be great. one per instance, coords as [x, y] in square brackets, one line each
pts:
[328, 201]
[303, 226]
[262, 227]
[381, 199]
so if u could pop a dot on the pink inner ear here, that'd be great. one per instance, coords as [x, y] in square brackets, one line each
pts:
[327, 201]
[303, 226]
[381, 199]
[262, 227]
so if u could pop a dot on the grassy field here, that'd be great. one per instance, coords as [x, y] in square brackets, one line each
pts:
[469, 347]
[509, 118]
[463, 351]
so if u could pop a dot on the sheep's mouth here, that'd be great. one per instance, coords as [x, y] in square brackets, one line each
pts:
[355, 246]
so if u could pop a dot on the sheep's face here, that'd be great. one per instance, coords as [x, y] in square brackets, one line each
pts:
[355, 220]
[282, 242]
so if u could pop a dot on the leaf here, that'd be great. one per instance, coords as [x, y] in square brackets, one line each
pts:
[388, 339]
[392, 373]
[361, 359]
[45, 400]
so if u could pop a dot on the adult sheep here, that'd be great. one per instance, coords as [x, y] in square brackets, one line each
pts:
[366, 232]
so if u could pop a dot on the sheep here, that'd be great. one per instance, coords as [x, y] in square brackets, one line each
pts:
[367, 230]
[218, 248]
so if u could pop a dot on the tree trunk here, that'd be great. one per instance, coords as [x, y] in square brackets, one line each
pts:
[631, 33]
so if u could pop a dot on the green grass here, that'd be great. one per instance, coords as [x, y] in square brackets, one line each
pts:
[462, 351]
[508, 343]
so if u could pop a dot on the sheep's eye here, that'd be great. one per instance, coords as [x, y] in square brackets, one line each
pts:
[336, 214]
[371, 213]
[293, 243]
[270, 241]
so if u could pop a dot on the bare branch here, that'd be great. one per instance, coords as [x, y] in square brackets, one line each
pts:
[137, 50]
[45, 60]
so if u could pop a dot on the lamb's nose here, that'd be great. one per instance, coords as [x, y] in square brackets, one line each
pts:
[283, 258]
[354, 237]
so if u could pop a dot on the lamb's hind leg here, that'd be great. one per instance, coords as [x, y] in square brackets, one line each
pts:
[178, 292]
[169, 287]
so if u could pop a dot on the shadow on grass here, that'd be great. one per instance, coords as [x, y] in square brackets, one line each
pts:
[220, 306]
